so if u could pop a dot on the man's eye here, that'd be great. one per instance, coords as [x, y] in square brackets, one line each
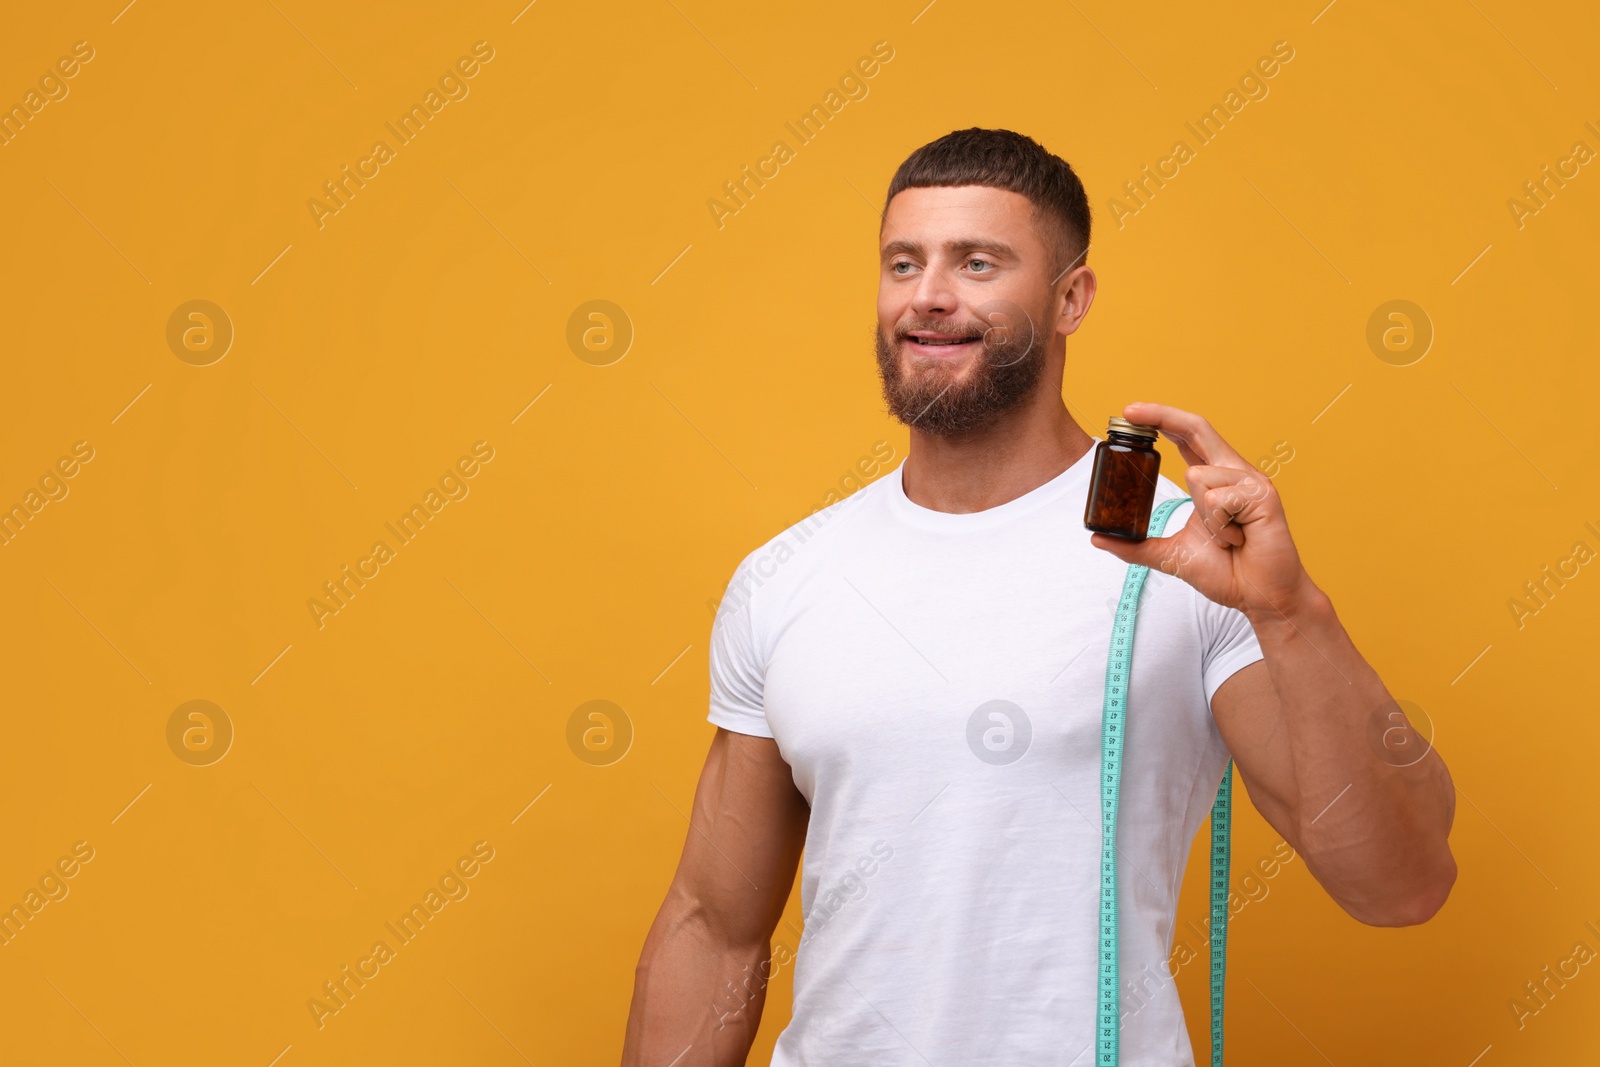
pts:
[896, 267]
[980, 262]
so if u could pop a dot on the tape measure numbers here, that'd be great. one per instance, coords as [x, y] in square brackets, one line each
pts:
[1114, 716]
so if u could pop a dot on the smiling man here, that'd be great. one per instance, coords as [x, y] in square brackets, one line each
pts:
[915, 695]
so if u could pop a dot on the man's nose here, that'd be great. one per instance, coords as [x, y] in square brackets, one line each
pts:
[934, 295]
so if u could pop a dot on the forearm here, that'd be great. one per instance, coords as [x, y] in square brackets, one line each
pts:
[696, 999]
[1373, 816]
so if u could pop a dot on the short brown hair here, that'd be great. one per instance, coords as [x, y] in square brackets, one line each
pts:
[1003, 159]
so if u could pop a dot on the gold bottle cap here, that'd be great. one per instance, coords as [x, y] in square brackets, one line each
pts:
[1121, 425]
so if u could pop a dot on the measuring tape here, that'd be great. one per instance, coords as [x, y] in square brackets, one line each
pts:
[1118, 675]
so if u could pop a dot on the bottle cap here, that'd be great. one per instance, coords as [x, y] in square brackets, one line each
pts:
[1121, 425]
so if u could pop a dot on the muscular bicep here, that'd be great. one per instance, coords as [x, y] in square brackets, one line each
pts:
[1247, 712]
[746, 832]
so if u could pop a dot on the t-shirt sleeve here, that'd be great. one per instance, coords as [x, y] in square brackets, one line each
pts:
[738, 674]
[1227, 641]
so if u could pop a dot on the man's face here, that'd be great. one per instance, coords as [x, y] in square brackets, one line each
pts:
[962, 300]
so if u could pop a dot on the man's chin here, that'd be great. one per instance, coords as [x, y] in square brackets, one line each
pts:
[929, 418]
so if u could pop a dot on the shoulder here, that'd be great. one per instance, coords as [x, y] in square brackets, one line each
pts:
[802, 549]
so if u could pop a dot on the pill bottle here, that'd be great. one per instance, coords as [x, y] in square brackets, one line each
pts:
[1122, 488]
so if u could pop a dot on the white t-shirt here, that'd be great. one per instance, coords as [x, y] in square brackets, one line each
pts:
[935, 681]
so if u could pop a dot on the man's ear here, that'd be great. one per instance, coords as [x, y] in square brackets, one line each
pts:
[1075, 298]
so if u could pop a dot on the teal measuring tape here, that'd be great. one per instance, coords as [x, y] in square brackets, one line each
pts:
[1118, 676]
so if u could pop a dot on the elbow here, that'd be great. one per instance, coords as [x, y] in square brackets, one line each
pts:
[1426, 892]
[1415, 907]
[1428, 902]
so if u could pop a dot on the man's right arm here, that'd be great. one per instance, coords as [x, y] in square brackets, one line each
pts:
[694, 1003]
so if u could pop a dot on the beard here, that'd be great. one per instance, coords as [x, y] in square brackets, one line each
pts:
[931, 397]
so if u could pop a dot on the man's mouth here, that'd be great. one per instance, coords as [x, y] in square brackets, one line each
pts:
[927, 342]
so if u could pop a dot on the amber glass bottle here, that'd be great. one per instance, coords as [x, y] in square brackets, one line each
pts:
[1122, 489]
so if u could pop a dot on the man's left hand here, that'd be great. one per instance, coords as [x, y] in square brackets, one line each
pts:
[1235, 548]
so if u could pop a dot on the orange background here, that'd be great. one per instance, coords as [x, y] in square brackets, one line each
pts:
[372, 352]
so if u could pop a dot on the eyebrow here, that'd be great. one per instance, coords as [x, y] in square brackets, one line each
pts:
[958, 244]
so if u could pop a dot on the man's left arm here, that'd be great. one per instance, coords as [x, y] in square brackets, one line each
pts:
[1328, 757]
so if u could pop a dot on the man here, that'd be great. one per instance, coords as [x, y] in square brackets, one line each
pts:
[909, 684]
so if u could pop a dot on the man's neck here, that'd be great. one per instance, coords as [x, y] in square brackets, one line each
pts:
[1022, 450]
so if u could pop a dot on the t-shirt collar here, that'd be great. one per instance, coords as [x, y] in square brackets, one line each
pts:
[905, 508]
